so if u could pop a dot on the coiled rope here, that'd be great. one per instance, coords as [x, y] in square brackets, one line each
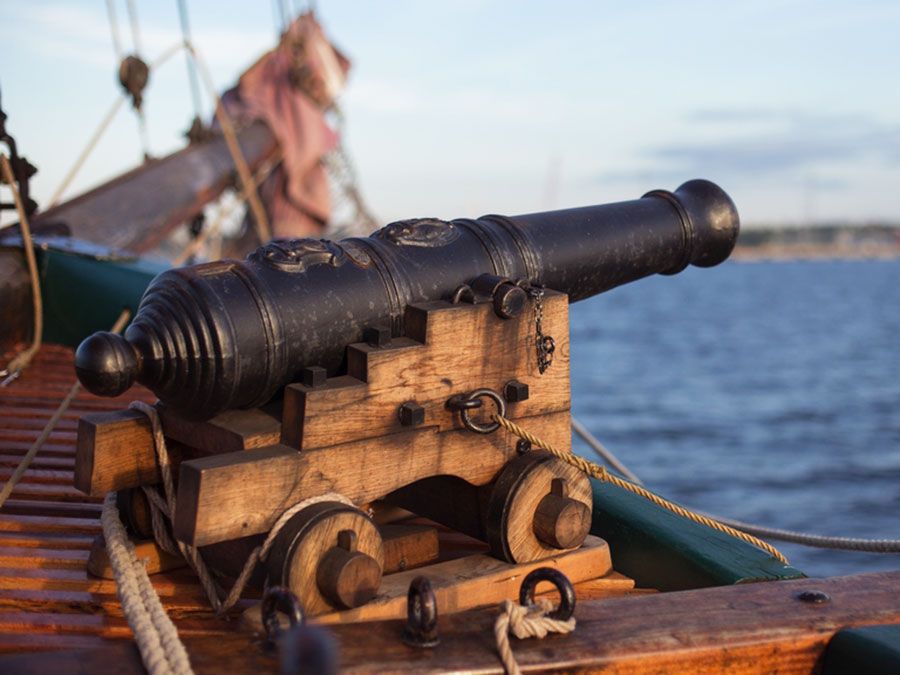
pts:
[525, 622]
[600, 473]
[162, 651]
[794, 537]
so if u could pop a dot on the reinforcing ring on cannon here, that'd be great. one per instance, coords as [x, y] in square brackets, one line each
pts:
[463, 403]
[563, 586]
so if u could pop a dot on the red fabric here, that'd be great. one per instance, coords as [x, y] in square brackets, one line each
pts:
[279, 89]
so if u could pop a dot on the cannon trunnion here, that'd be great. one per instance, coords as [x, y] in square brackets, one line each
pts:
[401, 414]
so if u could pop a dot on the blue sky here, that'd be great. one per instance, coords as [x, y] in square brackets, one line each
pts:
[461, 108]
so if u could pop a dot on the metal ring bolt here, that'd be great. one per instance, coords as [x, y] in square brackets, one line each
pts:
[279, 598]
[563, 586]
[421, 615]
[481, 427]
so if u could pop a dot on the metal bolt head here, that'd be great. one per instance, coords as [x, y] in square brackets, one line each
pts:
[377, 336]
[313, 376]
[813, 597]
[515, 391]
[509, 300]
[411, 414]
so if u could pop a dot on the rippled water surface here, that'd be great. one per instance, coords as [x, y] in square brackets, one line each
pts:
[766, 392]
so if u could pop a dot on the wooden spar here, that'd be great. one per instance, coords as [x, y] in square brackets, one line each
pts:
[137, 210]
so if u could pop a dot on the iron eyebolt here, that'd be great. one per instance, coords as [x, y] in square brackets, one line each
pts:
[279, 598]
[463, 403]
[421, 615]
[563, 586]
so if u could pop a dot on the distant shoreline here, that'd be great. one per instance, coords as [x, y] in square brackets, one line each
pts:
[787, 253]
[819, 242]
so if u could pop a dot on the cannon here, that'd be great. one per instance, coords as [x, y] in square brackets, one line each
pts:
[230, 334]
[313, 388]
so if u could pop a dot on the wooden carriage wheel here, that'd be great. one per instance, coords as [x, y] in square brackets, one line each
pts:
[330, 556]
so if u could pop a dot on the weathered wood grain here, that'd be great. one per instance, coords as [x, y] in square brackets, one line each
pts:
[138, 209]
[155, 560]
[230, 431]
[303, 559]
[449, 349]
[473, 581]
[238, 494]
[736, 629]
[114, 451]
[408, 546]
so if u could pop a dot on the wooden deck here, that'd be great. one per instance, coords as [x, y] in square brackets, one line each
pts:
[54, 616]
[47, 598]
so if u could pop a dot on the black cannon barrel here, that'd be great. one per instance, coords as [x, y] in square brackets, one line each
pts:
[228, 334]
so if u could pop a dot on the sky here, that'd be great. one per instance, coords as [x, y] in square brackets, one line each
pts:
[475, 106]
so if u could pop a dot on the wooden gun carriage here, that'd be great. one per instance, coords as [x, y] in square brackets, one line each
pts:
[392, 431]
[449, 325]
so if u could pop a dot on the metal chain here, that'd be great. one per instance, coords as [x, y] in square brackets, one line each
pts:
[544, 345]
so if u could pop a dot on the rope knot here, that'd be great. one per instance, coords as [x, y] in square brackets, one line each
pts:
[525, 621]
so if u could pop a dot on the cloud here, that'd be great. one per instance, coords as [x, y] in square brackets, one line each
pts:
[754, 142]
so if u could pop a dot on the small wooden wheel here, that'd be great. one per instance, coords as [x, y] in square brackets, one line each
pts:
[134, 510]
[539, 507]
[330, 556]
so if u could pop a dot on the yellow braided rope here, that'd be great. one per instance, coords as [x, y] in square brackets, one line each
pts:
[600, 473]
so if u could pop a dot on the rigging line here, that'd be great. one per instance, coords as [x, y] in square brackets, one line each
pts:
[142, 133]
[51, 424]
[260, 219]
[604, 452]
[599, 472]
[194, 246]
[135, 26]
[191, 66]
[114, 29]
[136, 43]
[802, 538]
[22, 359]
[101, 129]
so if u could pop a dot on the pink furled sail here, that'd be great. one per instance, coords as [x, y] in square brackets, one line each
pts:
[290, 88]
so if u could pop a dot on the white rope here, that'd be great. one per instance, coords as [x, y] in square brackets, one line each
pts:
[801, 538]
[157, 638]
[162, 512]
[525, 622]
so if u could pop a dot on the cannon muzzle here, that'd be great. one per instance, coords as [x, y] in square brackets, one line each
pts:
[228, 334]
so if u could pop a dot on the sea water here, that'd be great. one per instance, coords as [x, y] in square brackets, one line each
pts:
[765, 392]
